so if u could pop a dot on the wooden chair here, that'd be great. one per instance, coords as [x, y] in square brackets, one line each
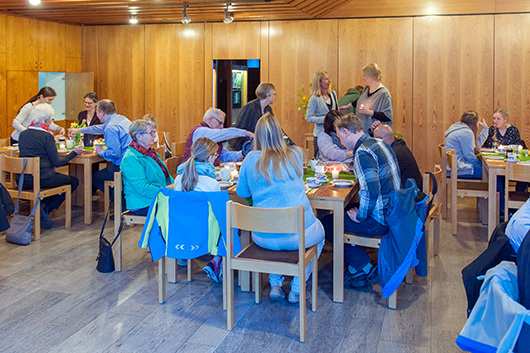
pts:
[435, 211]
[462, 187]
[515, 172]
[161, 152]
[375, 242]
[177, 148]
[172, 163]
[5, 142]
[14, 165]
[259, 260]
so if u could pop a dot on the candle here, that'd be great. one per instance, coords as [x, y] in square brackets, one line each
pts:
[61, 146]
[335, 173]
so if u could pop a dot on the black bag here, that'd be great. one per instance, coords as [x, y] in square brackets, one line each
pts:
[105, 257]
[21, 226]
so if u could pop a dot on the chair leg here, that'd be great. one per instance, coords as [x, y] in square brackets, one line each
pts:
[454, 212]
[436, 235]
[302, 305]
[229, 279]
[171, 268]
[36, 223]
[68, 208]
[224, 284]
[189, 270]
[314, 300]
[392, 300]
[444, 199]
[106, 195]
[162, 280]
[256, 276]
[410, 276]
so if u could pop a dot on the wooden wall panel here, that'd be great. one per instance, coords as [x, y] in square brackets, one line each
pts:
[297, 49]
[120, 71]
[5, 122]
[3, 24]
[52, 46]
[453, 72]
[238, 40]
[174, 84]
[512, 70]
[387, 42]
[89, 52]
[73, 41]
[73, 64]
[22, 86]
[22, 40]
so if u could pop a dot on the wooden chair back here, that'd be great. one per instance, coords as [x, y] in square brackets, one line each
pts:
[515, 172]
[4, 142]
[172, 163]
[258, 260]
[435, 211]
[161, 152]
[177, 148]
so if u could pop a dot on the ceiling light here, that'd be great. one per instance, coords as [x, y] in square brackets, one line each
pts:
[185, 18]
[228, 18]
[34, 2]
[133, 20]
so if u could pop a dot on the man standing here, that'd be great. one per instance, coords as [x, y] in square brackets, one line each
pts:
[212, 128]
[377, 173]
[115, 130]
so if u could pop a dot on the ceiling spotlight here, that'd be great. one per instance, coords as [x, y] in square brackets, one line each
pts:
[185, 18]
[34, 2]
[133, 20]
[228, 18]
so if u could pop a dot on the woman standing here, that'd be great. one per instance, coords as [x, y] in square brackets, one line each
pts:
[21, 121]
[375, 102]
[252, 111]
[502, 133]
[272, 176]
[322, 100]
[89, 116]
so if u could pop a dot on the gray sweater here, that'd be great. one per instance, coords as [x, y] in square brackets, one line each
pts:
[317, 110]
[380, 102]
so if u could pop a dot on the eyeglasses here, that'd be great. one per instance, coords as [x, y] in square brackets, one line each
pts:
[86, 102]
[152, 133]
[219, 121]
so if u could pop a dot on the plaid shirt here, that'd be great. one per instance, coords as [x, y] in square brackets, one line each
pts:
[377, 171]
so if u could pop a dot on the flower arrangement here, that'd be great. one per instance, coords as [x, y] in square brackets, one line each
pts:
[303, 100]
[78, 135]
[99, 142]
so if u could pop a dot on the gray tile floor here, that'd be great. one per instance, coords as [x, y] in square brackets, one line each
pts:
[52, 299]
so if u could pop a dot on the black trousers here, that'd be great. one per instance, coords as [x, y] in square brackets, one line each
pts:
[52, 181]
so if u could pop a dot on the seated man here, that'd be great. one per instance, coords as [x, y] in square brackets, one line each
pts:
[212, 128]
[377, 172]
[115, 129]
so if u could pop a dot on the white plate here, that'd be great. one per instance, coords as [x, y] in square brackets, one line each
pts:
[225, 184]
[342, 183]
[494, 157]
[63, 150]
[488, 150]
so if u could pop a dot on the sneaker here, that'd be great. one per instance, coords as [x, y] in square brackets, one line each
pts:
[276, 293]
[373, 275]
[45, 221]
[355, 280]
[212, 271]
[294, 297]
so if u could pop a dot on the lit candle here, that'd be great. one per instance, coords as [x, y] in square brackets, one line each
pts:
[62, 146]
[335, 173]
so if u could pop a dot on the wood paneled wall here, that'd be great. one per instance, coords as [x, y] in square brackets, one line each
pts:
[435, 68]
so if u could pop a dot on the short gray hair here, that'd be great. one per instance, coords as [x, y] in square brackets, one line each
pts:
[138, 127]
[213, 112]
[41, 113]
[349, 122]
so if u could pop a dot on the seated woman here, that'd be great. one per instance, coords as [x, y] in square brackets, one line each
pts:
[143, 170]
[37, 141]
[461, 137]
[329, 146]
[272, 176]
[198, 174]
[502, 133]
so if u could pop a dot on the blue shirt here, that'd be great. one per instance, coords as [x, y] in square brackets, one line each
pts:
[116, 133]
[376, 168]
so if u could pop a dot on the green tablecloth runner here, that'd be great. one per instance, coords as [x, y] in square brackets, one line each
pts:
[342, 175]
[520, 156]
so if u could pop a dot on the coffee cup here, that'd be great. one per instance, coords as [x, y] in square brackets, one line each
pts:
[69, 144]
[225, 174]
[313, 162]
[321, 177]
[512, 157]
[312, 182]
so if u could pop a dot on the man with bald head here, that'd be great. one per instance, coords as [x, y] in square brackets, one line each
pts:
[408, 167]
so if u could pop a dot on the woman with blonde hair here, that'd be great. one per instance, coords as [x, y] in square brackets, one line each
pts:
[272, 176]
[198, 174]
[322, 100]
[502, 133]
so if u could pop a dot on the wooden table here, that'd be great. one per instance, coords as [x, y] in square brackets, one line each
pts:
[81, 168]
[493, 168]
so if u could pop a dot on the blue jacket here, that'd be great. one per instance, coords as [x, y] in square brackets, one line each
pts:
[186, 225]
[404, 246]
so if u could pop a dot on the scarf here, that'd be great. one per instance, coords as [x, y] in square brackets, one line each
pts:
[42, 126]
[203, 168]
[149, 152]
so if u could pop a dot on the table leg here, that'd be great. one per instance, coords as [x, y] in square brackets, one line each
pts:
[87, 191]
[492, 201]
[338, 253]
[76, 170]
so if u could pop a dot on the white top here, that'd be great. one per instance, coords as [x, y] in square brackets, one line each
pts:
[519, 225]
[204, 183]
[21, 121]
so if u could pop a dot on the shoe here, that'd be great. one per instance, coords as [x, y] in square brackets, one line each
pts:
[355, 280]
[373, 275]
[45, 221]
[212, 271]
[294, 297]
[276, 293]
[182, 262]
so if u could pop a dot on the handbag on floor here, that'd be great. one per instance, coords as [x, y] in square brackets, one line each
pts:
[21, 226]
[105, 257]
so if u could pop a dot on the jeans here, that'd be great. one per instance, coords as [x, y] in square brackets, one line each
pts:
[99, 178]
[315, 145]
[314, 234]
[141, 212]
[355, 256]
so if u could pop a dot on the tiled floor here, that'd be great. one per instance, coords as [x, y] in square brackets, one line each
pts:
[52, 299]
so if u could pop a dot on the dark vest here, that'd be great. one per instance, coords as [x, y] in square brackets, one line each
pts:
[189, 143]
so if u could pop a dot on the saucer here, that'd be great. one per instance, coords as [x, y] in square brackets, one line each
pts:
[312, 186]
[225, 184]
